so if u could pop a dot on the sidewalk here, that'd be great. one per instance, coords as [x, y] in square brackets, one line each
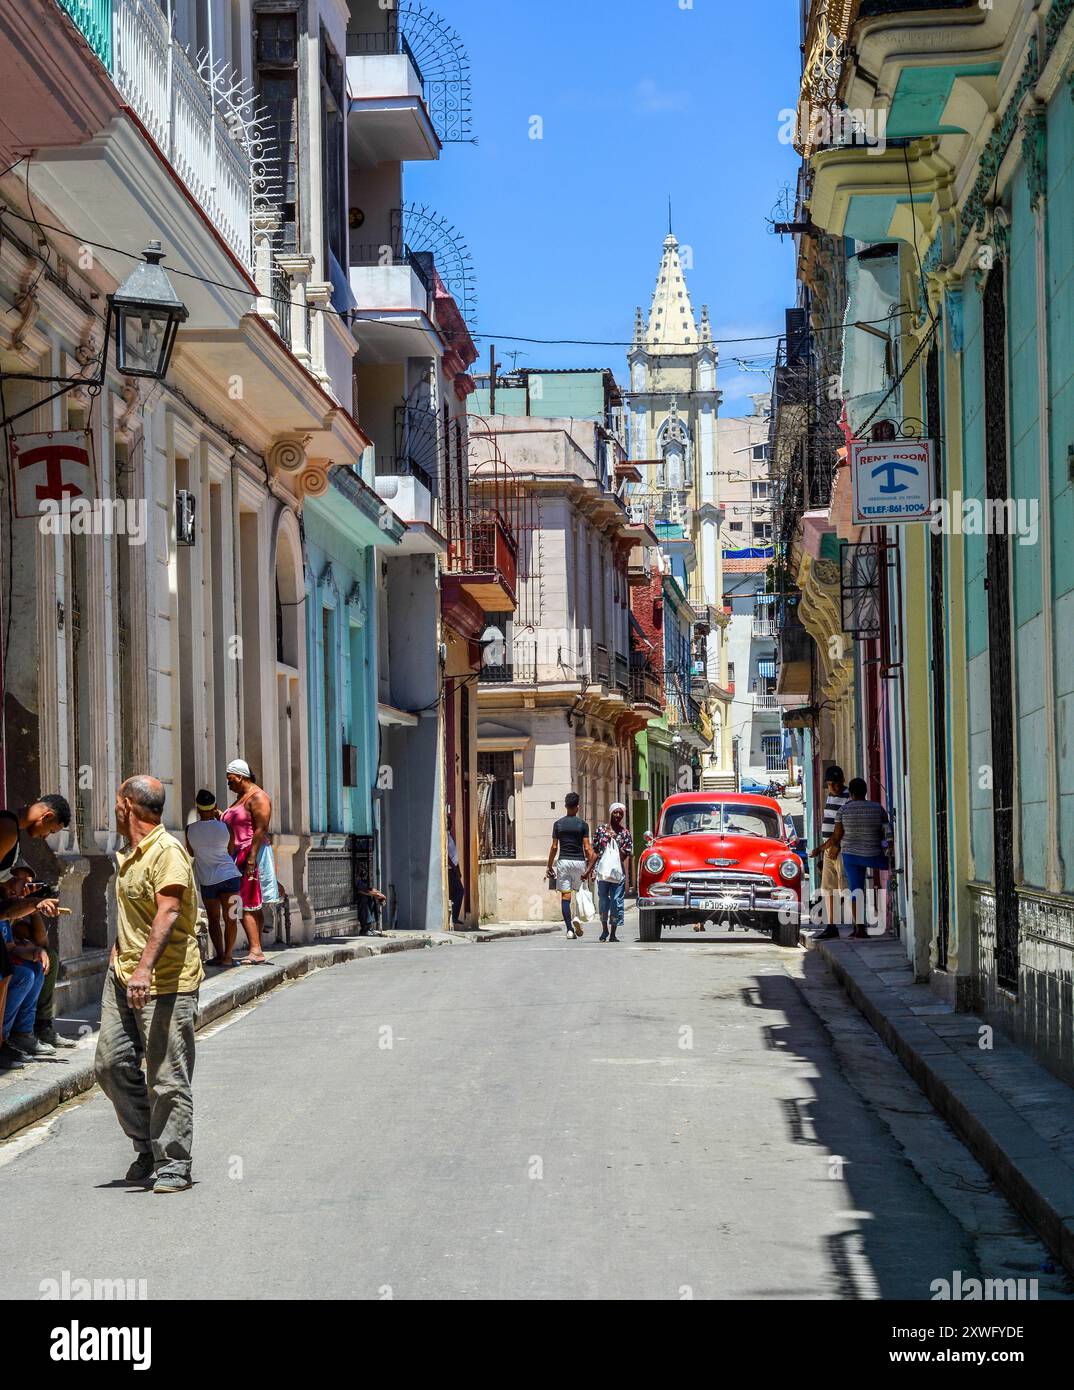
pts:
[1015, 1116]
[29, 1095]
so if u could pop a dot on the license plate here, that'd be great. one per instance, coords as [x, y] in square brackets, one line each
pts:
[724, 904]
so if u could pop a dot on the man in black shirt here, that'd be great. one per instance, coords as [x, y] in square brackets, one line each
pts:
[573, 858]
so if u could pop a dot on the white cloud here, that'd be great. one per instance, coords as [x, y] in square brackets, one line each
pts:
[650, 96]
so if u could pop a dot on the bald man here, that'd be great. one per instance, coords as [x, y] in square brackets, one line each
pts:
[150, 998]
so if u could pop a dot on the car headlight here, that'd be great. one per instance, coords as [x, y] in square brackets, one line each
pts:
[653, 863]
[788, 869]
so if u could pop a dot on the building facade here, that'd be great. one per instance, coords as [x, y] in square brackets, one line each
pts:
[931, 656]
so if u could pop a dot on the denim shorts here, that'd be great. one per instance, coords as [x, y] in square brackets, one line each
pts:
[855, 865]
[212, 891]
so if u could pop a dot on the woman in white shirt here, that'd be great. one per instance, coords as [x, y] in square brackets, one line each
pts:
[212, 848]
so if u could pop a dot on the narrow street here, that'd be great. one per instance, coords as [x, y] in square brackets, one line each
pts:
[536, 1119]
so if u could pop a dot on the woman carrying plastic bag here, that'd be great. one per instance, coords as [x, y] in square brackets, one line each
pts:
[614, 847]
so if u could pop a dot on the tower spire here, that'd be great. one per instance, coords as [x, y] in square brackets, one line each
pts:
[672, 329]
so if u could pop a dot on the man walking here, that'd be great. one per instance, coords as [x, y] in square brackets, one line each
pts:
[861, 831]
[833, 883]
[614, 849]
[151, 992]
[570, 860]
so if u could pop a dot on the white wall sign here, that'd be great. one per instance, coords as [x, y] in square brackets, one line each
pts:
[49, 467]
[892, 481]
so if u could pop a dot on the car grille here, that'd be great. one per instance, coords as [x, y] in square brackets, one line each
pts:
[705, 880]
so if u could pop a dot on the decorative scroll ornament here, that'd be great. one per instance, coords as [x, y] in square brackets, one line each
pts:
[250, 126]
[286, 455]
[425, 230]
[313, 482]
[356, 604]
[441, 58]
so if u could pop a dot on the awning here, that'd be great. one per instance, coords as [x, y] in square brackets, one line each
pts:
[767, 670]
[764, 598]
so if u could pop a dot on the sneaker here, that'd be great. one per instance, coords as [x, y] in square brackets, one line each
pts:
[47, 1034]
[172, 1182]
[141, 1170]
[604, 935]
[10, 1060]
[570, 933]
[31, 1045]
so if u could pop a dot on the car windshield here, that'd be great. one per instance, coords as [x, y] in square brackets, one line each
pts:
[729, 817]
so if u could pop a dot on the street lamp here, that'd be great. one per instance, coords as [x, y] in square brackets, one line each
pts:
[147, 313]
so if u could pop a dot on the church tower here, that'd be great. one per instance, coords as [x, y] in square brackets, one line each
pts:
[673, 403]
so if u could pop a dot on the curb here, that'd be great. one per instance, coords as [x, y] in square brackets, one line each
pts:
[1034, 1178]
[31, 1095]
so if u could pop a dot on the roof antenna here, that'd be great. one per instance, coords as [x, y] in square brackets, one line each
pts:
[669, 215]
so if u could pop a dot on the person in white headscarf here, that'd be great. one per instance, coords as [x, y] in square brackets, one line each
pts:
[614, 849]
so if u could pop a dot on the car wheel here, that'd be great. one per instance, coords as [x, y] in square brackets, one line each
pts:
[648, 926]
[786, 933]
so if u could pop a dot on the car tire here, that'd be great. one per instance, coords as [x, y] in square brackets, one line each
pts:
[786, 933]
[649, 925]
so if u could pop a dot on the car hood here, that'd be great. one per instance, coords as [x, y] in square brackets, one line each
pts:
[749, 852]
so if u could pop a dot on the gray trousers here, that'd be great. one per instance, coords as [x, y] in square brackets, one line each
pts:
[155, 1110]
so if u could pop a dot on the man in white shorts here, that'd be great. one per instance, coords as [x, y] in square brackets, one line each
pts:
[570, 859]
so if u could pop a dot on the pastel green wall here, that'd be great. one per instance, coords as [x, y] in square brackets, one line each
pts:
[1060, 283]
[973, 486]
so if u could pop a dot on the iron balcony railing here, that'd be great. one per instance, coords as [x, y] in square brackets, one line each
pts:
[518, 668]
[764, 627]
[601, 667]
[482, 543]
[417, 445]
[794, 643]
[281, 302]
[171, 99]
[646, 688]
[94, 21]
[622, 673]
[382, 45]
[683, 711]
[763, 700]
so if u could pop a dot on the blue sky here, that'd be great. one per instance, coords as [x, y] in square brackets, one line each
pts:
[638, 99]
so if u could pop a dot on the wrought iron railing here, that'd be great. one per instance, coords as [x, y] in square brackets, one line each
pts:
[519, 666]
[646, 688]
[281, 302]
[381, 45]
[94, 20]
[601, 666]
[156, 76]
[622, 673]
[417, 445]
[501, 833]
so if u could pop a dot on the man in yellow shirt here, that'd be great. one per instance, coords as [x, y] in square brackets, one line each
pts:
[150, 1001]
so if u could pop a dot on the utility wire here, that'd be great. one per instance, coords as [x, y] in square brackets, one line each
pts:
[251, 291]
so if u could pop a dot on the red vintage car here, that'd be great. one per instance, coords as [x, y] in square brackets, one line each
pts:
[721, 856]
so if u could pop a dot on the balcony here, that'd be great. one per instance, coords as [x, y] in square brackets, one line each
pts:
[646, 688]
[387, 120]
[602, 670]
[794, 666]
[94, 21]
[174, 103]
[622, 674]
[764, 626]
[765, 701]
[482, 559]
[518, 665]
[393, 288]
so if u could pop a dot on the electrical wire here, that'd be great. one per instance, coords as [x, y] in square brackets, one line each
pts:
[249, 291]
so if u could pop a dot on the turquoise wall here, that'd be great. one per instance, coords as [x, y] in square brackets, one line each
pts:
[1060, 282]
[350, 662]
[974, 551]
[552, 396]
[1026, 573]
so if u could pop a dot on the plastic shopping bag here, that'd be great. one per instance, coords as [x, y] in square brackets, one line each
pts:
[266, 872]
[584, 908]
[610, 865]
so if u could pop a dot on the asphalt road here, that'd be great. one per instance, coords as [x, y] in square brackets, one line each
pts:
[531, 1119]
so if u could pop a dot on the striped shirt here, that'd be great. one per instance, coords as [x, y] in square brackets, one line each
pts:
[832, 807]
[864, 825]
